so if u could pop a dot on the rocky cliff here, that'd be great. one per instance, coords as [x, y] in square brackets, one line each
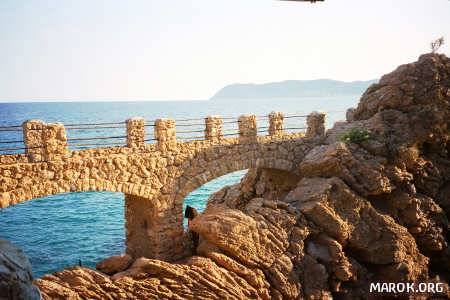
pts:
[360, 212]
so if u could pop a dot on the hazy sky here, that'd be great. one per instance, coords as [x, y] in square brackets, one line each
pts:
[188, 49]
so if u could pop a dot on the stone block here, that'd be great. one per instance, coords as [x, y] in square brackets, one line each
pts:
[276, 123]
[213, 128]
[247, 128]
[316, 124]
[135, 132]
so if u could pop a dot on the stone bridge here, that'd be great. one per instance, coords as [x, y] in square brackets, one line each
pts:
[155, 178]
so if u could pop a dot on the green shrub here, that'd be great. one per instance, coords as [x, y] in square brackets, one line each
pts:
[357, 136]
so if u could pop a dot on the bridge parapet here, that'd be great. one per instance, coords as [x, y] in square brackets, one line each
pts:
[48, 142]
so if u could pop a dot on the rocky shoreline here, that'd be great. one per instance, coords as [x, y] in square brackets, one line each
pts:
[367, 211]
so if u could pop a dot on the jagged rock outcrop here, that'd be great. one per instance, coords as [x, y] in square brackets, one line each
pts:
[358, 212]
[114, 264]
[15, 274]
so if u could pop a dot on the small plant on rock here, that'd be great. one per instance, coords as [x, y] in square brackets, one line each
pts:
[436, 44]
[357, 136]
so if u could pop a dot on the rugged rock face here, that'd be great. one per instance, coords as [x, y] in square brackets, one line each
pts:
[15, 274]
[114, 264]
[359, 212]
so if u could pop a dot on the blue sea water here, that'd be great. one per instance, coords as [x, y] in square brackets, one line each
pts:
[59, 230]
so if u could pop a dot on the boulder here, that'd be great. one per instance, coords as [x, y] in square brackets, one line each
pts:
[114, 264]
[371, 237]
[362, 171]
[16, 279]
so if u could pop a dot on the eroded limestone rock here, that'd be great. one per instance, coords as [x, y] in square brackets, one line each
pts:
[15, 274]
[349, 215]
[114, 264]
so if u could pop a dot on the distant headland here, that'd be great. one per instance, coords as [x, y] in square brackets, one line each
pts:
[293, 88]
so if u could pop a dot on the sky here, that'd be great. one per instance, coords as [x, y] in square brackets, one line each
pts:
[96, 50]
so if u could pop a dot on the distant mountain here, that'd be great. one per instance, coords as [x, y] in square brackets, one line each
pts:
[293, 88]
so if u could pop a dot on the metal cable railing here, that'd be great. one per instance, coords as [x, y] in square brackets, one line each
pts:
[5, 130]
[77, 132]
[95, 124]
[97, 138]
[11, 142]
[95, 128]
[21, 148]
[98, 144]
[10, 126]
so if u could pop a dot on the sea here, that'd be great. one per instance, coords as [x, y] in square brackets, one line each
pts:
[61, 230]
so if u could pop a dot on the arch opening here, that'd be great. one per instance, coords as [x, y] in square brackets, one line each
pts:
[198, 198]
[57, 231]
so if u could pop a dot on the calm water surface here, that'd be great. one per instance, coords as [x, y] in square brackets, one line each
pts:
[56, 231]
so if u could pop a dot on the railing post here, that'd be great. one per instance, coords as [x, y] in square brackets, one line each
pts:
[33, 139]
[247, 128]
[135, 132]
[55, 142]
[276, 123]
[165, 134]
[316, 124]
[213, 128]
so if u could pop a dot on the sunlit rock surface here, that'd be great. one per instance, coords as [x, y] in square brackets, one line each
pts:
[377, 210]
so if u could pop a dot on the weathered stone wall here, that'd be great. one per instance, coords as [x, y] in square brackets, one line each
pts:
[155, 178]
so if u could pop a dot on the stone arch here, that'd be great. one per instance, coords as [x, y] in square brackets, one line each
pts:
[209, 164]
[236, 159]
[52, 187]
